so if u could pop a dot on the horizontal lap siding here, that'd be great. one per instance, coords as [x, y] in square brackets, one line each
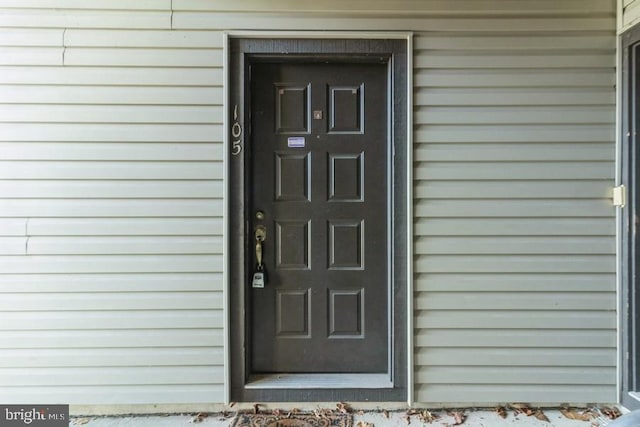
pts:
[111, 197]
[111, 189]
[514, 246]
[630, 13]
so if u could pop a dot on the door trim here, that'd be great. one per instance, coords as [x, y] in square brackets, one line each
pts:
[401, 375]
[629, 303]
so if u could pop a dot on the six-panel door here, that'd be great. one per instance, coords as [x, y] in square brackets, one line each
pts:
[320, 175]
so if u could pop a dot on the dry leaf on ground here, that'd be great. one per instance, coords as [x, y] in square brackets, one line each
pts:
[226, 415]
[385, 413]
[541, 416]
[80, 421]
[427, 417]
[199, 417]
[410, 412]
[407, 418]
[610, 412]
[574, 415]
[458, 417]
[321, 413]
[521, 408]
[343, 408]
[364, 424]
[501, 411]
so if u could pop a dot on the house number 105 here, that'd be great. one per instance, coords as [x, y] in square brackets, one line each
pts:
[236, 133]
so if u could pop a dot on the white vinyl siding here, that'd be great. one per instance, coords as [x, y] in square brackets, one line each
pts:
[630, 13]
[111, 181]
[514, 244]
[111, 193]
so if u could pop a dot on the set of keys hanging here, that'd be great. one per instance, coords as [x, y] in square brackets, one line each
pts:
[259, 277]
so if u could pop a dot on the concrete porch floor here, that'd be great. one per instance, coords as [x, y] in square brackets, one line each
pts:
[473, 418]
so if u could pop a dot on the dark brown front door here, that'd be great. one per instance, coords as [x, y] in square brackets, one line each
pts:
[319, 184]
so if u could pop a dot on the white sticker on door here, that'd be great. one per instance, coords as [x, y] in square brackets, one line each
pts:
[296, 142]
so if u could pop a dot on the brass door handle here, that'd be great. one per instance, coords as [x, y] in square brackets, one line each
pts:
[261, 235]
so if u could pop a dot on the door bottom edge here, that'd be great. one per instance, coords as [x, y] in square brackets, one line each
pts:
[319, 381]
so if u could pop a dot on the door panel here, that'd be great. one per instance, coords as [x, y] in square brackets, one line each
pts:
[320, 174]
[630, 316]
